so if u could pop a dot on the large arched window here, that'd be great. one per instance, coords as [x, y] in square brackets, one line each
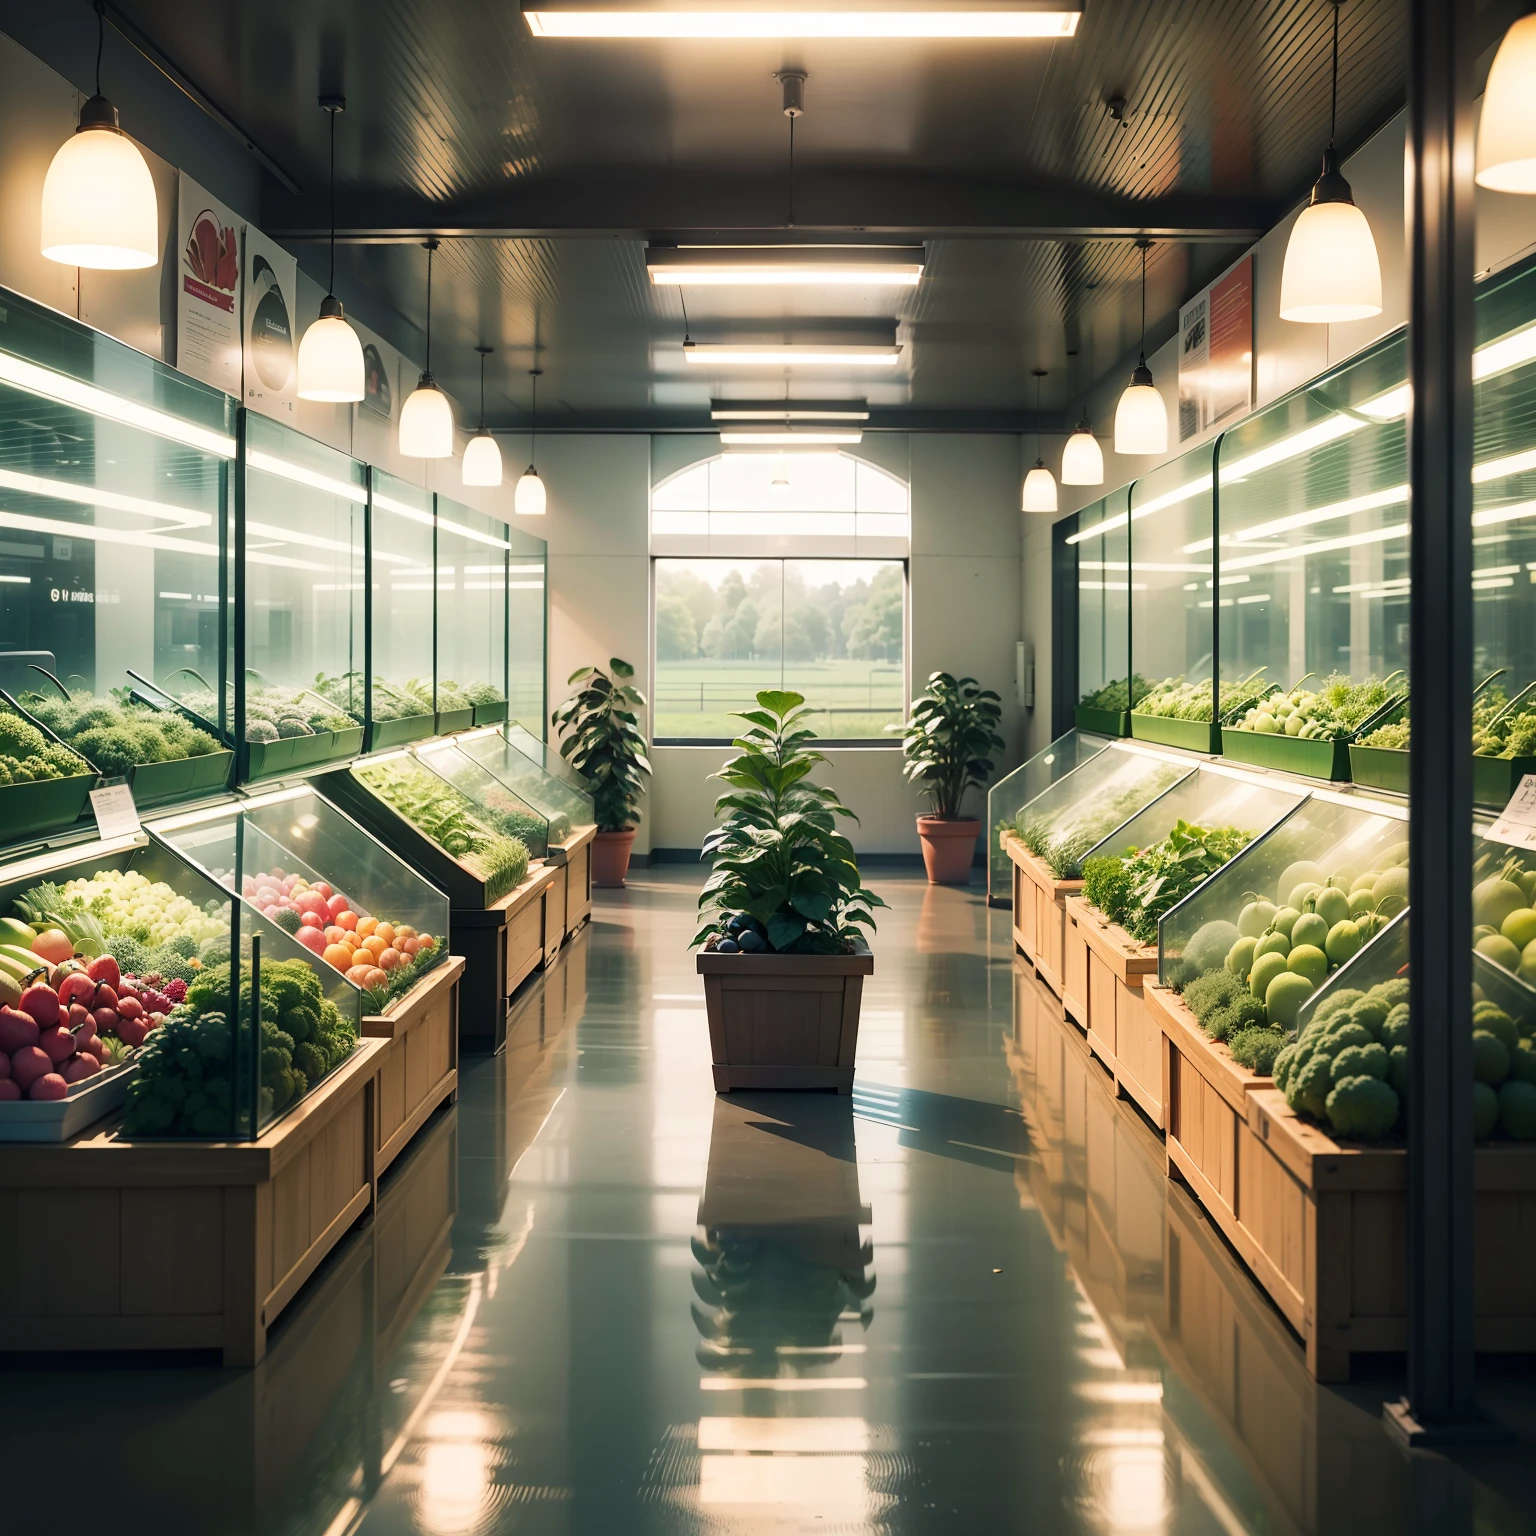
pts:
[779, 571]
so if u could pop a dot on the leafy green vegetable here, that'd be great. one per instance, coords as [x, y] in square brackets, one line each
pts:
[1174, 699]
[1116, 693]
[118, 734]
[1060, 839]
[1151, 880]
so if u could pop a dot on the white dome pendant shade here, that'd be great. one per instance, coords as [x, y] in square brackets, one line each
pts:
[331, 358]
[1332, 272]
[1082, 460]
[482, 456]
[1039, 489]
[1506, 137]
[529, 498]
[1141, 418]
[99, 208]
[426, 422]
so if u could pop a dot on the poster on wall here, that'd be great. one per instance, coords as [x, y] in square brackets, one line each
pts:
[208, 340]
[271, 349]
[378, 398]
[1216, 352]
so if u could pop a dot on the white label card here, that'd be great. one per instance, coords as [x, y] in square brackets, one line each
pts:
[1516, 825]
[116, 814]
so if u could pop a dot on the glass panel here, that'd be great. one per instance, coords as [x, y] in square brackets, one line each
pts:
[115, 472]
[472, 557]
[527, 610]
[566, 808]
[317, 874]
[304, 634]
[497, 804]
[1014, 791]
[1103, 608]
[1061, 824]
[402, 580]
[548, 757]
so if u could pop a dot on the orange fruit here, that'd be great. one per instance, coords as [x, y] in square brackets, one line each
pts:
[404, 931]
[389, 959]
[409, 945]
[386, 931]
[374, 945]
[366, 925]
[377, 978]
[347, 919]
[358, 975]
[334, 935]
[338, 955]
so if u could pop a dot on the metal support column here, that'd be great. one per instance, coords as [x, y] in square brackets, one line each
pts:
[1441, 1404]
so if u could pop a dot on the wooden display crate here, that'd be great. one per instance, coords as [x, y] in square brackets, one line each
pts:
[184, 1244]
[1040, 935]
[502, 946]
[573, 857]
[1121, 1030]
[421, 1068]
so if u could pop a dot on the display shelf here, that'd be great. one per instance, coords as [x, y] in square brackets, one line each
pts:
[402, 612]
[1101, 722]
[527, 630]
[473, 553]
[521, 764]
[1102, 543]
[1327, 760]
[507, 810]
[1008, 797]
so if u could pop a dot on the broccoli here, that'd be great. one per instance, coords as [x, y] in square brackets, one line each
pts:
[1336, 1002]
[1371, 1013]
[19, 738]
[303, 1022]
[1311, 1081]
[1360, 1061]
[1363, 1107]
[1522, 1063]
[1517, 1110]
[1344, 1032]
[1397, 1069]
[289, 920]
[1395, 1030]
[1256, 1047]
[292, 725]
[1485, 1111]
[310, 1060]
[129, 952]
[1243, 1012]
[1491, 1017]
[1394, 991]
[1211, 991]
[111, 748]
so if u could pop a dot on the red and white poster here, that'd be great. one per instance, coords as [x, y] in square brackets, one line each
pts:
[208, 328]
[1216, 352]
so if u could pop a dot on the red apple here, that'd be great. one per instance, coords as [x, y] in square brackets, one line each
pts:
[76, 988]
[17, 1029]
[58, 1044]
[312, 938]
[82, 1067]
[312, 919]
[80, 1015]
[104, 968]
[5, 1066]
[320, 888]
[50, 1085]
[28, 1064]
[106, 997]
[9, 1092]
[335, 904]
[132, 1031]
[42, 1002]
[129, 1008]
[107, 1020]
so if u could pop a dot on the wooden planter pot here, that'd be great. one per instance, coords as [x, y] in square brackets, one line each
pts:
[571, 897]
[1040, 914]
[420, 1070]
[1109, 969]
[502, 946]
[187, 1244]
[784, 1021]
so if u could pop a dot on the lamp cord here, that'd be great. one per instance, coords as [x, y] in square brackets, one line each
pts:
[791, 173]
[684, 302]
[332, 288]
[533, 425]
[431, 245]
[1143, 301]
[101, 38]
[1333, 118]
[482, 391]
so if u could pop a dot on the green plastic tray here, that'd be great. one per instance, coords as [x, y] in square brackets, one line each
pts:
[271, 759]
[491, 714]
[160, 783]
[1103, 722]
[46, 805]
[384, 734]
[1312, 759]
[1380, 767]
[1495, 779]
[450, 720]
[1192, 735]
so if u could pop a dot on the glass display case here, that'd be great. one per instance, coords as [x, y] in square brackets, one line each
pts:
[116, 473]
[247, 1041]
[1084, 807]
[402, 551]
[298, 699]
[320, 876]
[1008, 797]
[473, 553]
[527, 630]
[1102, 542]
[497, 803]
[1354, 847]
[520, 764]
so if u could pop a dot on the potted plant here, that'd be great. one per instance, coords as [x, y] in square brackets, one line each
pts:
[602, 740]
[952, 729]
[783, 958]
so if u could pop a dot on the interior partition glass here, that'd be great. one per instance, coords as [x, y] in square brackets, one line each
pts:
[1102, 542]
[300, 581]
[518, 762]
[473, 552]
[115, 471]
[527, 630]
[401, 583]
[1313, 512]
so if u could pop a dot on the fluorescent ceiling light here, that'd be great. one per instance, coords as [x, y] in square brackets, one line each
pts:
[1119, 520]
[1000, 19]
[402, 509]
[890, 266]
[300, 474]
[1322, 547]
[788, 410]
[50, 385]
[789, 355]
[94, 496]
[1510, 514]
[1494, 358]
[789, 436]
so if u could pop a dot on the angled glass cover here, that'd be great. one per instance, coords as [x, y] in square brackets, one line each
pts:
[566, 808]
[473, 552]
[498, 804]
[1015, 790]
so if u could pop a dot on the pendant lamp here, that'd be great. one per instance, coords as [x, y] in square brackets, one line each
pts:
[426, 418]
[529, 499]
[1082, 460]
[1331, 268]
[330, 355]
[482, 458]
[1141, 418]
[1039, 483]
[99, 207]
[1506, 137]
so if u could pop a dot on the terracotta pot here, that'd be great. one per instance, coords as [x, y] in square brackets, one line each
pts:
[949, 847]
[610, 856]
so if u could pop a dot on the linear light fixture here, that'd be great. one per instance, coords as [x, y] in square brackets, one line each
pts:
[785, 266]
[788, 437]
[638, 19]
[788, 410]
[301, 474]
[790, 355]
[1321, 547]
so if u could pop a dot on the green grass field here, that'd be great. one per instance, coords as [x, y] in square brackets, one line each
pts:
[853, 700]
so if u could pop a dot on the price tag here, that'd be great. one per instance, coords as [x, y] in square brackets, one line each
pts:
[1516, 825]
[116, 814]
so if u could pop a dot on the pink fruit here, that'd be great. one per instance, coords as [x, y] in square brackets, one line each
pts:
[5, 1066]
[80, 1015]
[42, 1003]
[248, 886]
[271, 910]
[335, 904]
[321, 889]
[49, 1086]
[9, 1092]
[76, 988]
[107, 1020]
[312, 938]
[17, 1029]
[104, 968]
[28, 1064]
[132, 1031]
[80, 1068]
[311, 900]
[106, 997]
[58, 1044]
[312, 919]
[129, 1008]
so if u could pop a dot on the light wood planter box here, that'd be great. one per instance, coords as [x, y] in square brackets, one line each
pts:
[784, 1021]
[572, 896]
[1040, 914]
[184, 1245]
[1122, 1031]
[420, 1070]
[502, 946]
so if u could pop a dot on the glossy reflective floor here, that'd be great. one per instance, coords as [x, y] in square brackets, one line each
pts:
[596, 1298]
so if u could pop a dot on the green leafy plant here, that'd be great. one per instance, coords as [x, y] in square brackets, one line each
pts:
[781, 868]
[1333, 711]
[1174, 699]
[1116, 693]
[117, 734]
[27, 755]
[947, 738]
[1061, 841]
[602, 740]
[1136, 890]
